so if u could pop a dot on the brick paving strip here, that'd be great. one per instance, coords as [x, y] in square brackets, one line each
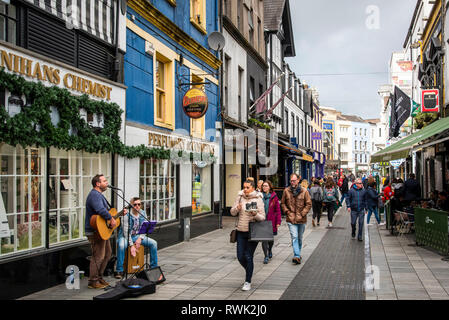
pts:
[407, 272]
[335, 270]
[206, 268]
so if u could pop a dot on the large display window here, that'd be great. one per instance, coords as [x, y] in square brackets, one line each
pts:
[22, 202]
[23, 195]
[70, 179]
[158, 189]
[201, 188]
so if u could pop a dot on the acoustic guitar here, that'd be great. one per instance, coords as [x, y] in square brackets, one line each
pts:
[102, 226]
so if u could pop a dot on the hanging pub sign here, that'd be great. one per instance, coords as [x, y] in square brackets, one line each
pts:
[195, 103]
[430, 100]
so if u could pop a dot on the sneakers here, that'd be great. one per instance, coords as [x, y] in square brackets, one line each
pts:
[96, 285]
[246, 286]
[265, 261]
[330, 225]
[360, 239]
[118, 275]
[313, 222]
[382, 224]
[103, 282]
[296, 260]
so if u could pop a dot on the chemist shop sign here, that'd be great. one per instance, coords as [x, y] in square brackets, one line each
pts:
[195, 103]
[38, 70]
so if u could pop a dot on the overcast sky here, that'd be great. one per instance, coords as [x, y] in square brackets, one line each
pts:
[344, 36]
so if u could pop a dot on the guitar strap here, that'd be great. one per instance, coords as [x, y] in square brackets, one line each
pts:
[107, 202]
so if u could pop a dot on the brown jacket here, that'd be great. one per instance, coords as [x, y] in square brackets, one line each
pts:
[297, 208]
[244, 217]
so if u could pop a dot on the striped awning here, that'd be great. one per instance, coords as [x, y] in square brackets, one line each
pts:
[97, 17]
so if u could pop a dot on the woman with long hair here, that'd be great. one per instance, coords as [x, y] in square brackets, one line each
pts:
[273, 214]
[330, 199]
[242, 208]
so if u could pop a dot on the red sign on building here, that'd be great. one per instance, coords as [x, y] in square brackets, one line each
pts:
[430, 100]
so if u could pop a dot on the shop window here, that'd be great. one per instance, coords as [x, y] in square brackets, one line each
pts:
[197, 126]
[164, 92]
[70, 181]
[22, 202]
[157, 189]
[201, 188]
[198, 14]
[8, 23]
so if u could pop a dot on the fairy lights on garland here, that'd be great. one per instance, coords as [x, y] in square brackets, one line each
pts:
[33, 125]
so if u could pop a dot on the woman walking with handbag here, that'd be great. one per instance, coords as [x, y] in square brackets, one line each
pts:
[316, 193]
[330, 199]
[273, 214]
[247, 199]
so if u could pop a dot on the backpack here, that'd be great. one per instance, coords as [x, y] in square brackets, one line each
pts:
[329, 195]
[317, 195]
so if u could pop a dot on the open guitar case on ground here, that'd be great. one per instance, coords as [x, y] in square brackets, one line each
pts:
[141, 282]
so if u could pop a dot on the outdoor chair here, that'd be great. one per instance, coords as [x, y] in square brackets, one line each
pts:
[405, 222]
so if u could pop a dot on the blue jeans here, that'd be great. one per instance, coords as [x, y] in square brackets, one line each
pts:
[361, 216]
[146, 242]
[343, 197]
[376, 214]
[296, 232]
[245, 253]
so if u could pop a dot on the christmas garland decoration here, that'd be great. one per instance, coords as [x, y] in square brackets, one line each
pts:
[33, 125]
[257, 123]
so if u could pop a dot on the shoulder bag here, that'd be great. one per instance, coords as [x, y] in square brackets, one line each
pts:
[233, 234]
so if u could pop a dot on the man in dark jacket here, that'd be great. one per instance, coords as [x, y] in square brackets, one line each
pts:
[412, 189]
[357, 206]
[344, 189]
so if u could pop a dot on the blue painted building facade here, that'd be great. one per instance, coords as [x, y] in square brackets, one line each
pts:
[167, 54]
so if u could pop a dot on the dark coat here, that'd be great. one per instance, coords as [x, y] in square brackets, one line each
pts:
[357, 199]
[345, 186]
[412, 190]
[372, 197]
[274, 211]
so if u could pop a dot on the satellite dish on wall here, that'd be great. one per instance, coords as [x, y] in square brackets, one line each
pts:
[216, 41]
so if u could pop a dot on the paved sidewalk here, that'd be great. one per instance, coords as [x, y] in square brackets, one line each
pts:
[206, 267]
[336, 269]
[407, 272]
[333, 267]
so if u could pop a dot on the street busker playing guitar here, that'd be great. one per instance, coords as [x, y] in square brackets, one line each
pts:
[96, 204]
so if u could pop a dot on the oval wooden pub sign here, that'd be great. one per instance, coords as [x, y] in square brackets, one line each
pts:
[195, 103]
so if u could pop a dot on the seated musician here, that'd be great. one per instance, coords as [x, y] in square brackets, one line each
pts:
[136, 239]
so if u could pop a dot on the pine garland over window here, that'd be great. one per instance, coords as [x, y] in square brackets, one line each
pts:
[33, 126]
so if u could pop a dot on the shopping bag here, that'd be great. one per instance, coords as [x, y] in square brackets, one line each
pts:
[261, 231]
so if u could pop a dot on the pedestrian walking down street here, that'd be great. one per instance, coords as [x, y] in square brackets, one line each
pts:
[317, 194]
[412, 189]
[296, 204]
[357, 205]
[372, 202]
[330, 199]
[245, 248]
[273, 214]
[344, 189]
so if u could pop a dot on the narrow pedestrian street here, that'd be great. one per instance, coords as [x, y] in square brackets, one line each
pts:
[333, 268]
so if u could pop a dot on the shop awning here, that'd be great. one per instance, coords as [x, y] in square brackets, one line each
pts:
[401, 149]
[289, 148]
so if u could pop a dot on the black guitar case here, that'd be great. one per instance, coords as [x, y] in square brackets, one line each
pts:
[128, 288]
